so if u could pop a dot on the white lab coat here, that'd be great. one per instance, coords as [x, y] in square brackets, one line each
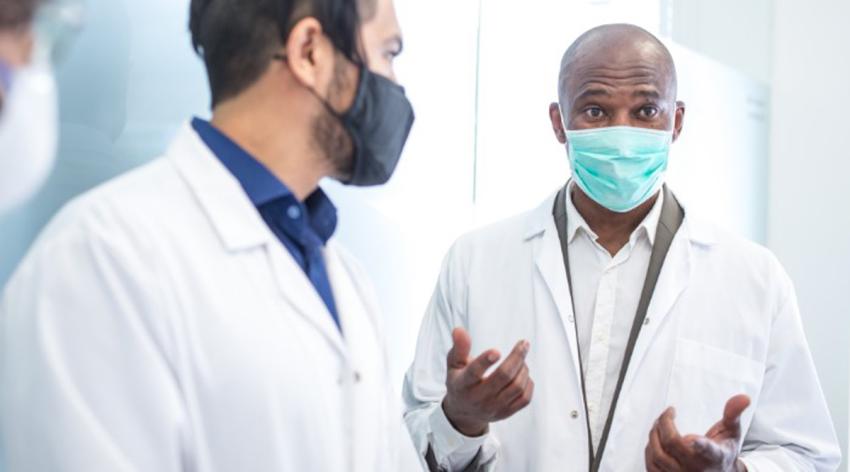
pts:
[159, 325]
[723, 320]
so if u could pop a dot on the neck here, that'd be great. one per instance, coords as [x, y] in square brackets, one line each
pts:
[282, 142]
[613, 229]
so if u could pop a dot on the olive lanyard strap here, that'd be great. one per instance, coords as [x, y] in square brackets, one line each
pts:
[671, 219]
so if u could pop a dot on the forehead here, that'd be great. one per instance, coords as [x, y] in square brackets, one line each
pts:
[384, 21]
[616, 67]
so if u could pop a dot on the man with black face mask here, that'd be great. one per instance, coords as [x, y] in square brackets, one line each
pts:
[196, 314]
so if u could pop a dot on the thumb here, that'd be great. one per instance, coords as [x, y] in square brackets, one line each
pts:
[733, 410]
[458, 356]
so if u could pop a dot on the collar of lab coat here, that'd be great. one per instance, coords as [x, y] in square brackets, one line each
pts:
[648, 226]
[540, 221]
[240, 227]
[236, 221]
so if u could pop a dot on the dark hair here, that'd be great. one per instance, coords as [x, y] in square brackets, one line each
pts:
[238, 38]
[17, 13]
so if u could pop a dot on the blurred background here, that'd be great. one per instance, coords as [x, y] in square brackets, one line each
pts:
[764, 151]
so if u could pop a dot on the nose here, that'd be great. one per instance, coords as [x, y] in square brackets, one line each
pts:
[622, 118]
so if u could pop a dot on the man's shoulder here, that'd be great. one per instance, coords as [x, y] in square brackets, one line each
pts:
[122, 204]
[501, 241]
[512, 230]
[740, 258]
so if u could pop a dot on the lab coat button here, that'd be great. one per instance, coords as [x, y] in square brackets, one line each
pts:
[646, 322]
[573, 414]
[356, 377]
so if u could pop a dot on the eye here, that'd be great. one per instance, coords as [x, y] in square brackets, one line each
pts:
[593, 113]
[391, 54]
[648, 112]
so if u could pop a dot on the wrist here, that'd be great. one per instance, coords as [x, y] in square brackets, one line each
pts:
[740, 466]
[463, 424]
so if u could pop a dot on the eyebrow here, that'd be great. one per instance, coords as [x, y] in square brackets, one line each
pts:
[596, 92]
[592, 92]
[647, 93]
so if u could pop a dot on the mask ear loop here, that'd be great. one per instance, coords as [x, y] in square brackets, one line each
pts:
[563, 120]
[339, 116]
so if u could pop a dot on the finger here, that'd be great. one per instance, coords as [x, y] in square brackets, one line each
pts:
[657, 456]
[520, 402]
[509, 369]
[515, 388]
[458, 356]
[473, 373]
[732, 414]
[666, 426]
[668, 434]
[648, 460]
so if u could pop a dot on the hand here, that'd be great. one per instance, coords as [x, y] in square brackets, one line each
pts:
[472, 401]
[717, 451]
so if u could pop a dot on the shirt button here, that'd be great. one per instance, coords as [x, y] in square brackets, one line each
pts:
[573, 414]
[646, 322]
[293, 212]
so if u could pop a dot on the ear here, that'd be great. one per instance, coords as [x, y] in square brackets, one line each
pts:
[309, 54]
[679, 120]
[557, 122]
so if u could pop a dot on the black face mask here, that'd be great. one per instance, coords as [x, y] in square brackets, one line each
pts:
[379, 122]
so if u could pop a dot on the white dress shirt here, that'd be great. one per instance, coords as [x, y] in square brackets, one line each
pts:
[606, 291]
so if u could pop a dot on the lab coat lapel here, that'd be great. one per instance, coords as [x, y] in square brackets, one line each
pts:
[672, 281]
[550, 265]
[352, 303]
[241, 228]
[297, 289]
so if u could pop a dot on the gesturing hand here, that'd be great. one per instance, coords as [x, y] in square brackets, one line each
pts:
[717, 451]
[472, 401]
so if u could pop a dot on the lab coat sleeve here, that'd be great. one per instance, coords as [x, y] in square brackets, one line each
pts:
[791, 427]
[424, 385]
[84, 381]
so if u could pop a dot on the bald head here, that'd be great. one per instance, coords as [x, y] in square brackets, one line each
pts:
[617, 47]
[617, 75]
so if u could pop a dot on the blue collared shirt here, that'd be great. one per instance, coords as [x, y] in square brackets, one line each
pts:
[303, 228]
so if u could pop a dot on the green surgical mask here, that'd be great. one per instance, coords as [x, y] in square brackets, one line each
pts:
[619, 167]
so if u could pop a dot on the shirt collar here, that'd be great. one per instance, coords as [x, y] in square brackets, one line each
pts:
[261, 186]
[648, 226]
[259, 183]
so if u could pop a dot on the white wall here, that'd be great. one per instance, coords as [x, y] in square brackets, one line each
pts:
[809, 218]
[737, 33]
[799, 48]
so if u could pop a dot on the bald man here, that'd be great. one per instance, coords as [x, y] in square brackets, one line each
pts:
[637, 336]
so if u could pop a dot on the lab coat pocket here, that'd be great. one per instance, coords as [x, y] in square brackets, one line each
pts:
[703, 378]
